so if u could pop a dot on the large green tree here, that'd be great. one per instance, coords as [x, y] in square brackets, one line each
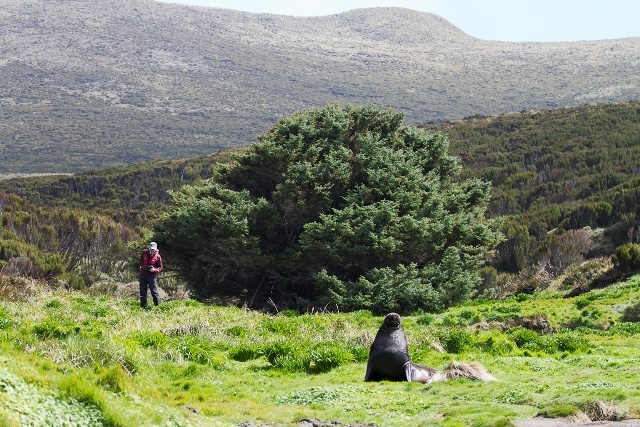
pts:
[342, 205]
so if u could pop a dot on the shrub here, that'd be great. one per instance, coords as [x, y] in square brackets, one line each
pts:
[570, 343]
[244, 352]
[589, 274]
[14, 288]
[558, 252]
[113, 379]
[497, 345]
[456, 340]
[631, 313]
[287, 356]
[326, 356]
[627, 257]
[152, 339]
[195, 349]
[425, 319]
[530, 340]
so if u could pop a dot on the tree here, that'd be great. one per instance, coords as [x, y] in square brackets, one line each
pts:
[339, 205]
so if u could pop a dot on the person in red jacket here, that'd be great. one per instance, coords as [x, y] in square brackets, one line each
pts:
[150, 266]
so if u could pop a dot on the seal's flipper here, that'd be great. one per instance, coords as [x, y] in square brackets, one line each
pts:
[407, 371]
[367, 375]
[422, 373]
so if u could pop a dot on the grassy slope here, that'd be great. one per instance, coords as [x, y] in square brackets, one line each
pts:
[87, 357]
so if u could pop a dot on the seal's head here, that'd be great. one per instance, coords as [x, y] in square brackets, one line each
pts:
[391, 320]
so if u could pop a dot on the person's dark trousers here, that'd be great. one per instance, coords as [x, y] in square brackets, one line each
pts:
[149, 282]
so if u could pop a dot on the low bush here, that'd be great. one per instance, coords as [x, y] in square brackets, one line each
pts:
[113, 379]
[498, 345]
[631, 313]
[456, 340]
[195, 349]
[244, 352]
[326, 356]
[627, 257]
[527, 339]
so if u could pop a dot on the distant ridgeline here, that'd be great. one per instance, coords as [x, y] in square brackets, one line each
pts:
[173, 81]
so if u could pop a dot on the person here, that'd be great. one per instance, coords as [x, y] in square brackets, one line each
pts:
[150, 266]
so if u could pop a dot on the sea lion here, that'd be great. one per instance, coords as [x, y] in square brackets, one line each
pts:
[389, 359]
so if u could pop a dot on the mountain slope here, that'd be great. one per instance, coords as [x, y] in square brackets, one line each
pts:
[91, 84]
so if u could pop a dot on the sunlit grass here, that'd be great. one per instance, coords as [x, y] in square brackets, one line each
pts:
[188, 364]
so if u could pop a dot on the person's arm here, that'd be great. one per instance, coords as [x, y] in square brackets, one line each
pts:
[158, 264]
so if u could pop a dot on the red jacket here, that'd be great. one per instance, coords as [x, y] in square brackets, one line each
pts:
[147, 261]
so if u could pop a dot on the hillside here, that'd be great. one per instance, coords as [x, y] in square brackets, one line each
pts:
[565, 181]
[551, 157]
[141, 80]
[535, 160]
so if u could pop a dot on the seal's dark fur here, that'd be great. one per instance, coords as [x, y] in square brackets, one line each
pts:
[389, 359]
[389, 352]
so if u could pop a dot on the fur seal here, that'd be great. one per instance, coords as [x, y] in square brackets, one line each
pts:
[389, 354]
[389, 359]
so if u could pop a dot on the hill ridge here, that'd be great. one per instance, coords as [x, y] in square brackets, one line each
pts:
[143, 79]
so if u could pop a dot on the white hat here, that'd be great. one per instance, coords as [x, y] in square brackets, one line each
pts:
[153, 245]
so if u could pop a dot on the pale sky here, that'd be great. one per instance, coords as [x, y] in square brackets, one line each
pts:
[504, 20]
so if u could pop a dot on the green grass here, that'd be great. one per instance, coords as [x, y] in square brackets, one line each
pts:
[102, 361]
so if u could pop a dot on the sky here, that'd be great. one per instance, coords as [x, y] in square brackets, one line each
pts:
[502, 20]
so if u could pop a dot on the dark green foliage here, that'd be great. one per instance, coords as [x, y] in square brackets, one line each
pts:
[631, 313]
[133, 195]
[567, 168]
[550, 169]
[340, 205]
[627, 257]
[245, 352]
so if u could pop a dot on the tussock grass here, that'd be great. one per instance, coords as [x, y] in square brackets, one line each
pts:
[188, 364]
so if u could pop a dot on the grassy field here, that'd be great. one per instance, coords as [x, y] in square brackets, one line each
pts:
[81, 359]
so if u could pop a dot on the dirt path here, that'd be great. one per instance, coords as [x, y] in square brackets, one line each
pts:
[533, 422]
[564, 422]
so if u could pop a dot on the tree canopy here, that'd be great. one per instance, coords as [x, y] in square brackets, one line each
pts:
[341, 205]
